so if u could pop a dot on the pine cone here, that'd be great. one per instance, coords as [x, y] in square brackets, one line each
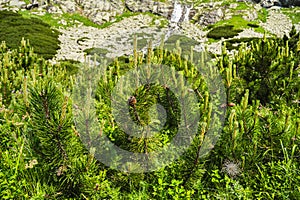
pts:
[132, 101]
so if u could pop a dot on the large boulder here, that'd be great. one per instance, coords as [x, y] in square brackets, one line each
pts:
[211, 17]
[99, 11]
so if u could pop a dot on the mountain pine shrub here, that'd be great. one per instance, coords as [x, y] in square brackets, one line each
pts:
[14, 27]
[43, 157]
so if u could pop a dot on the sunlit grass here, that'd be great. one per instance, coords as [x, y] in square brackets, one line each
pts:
[293, 14]
[54, 20]
[240, 23]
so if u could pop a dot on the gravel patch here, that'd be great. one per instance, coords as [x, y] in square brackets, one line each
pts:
[117, 39]
[249, 33]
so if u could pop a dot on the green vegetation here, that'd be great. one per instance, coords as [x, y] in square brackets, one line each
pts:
[253, 25]
[230, 28]
[226, 31]
[42, 154]
[41, 148]
[243, 6]
[185, 43]
[240, 23]
[293, 14]
[119, 18]
[142, 39]
[13, 27]
[54, 20]
[96, 51]
[269, 70]
[48, 18]
[262, 15]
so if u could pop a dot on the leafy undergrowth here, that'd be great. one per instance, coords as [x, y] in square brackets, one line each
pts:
[42, 154]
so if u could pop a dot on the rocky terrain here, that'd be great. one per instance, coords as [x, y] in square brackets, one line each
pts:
[116, 39]
[277, 23]
[154, 20]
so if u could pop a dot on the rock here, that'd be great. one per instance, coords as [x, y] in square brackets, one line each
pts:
[283, 3]
[99, 11]
[161, 8]
[17, 3]
[297, 27]
[250, 15]
[248, 33]
[270, 3]
[116, 39]
[5, 2]
[63, 22]
[211, 17]
[68, 6]
[233, 5]
[277, 23]
[32, 6]
[53, 9]
[289, 3]
[193, 31]
[275, 8]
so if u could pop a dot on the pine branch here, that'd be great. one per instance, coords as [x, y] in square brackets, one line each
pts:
[59, 144]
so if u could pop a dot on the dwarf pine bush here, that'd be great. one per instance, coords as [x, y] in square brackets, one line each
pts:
[14, 27]
[42, 154]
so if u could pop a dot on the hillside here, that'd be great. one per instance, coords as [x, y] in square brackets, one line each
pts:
[109, 25]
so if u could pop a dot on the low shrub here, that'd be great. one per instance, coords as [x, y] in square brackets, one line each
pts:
[226, 31]
[253, 25]
[14, 27]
